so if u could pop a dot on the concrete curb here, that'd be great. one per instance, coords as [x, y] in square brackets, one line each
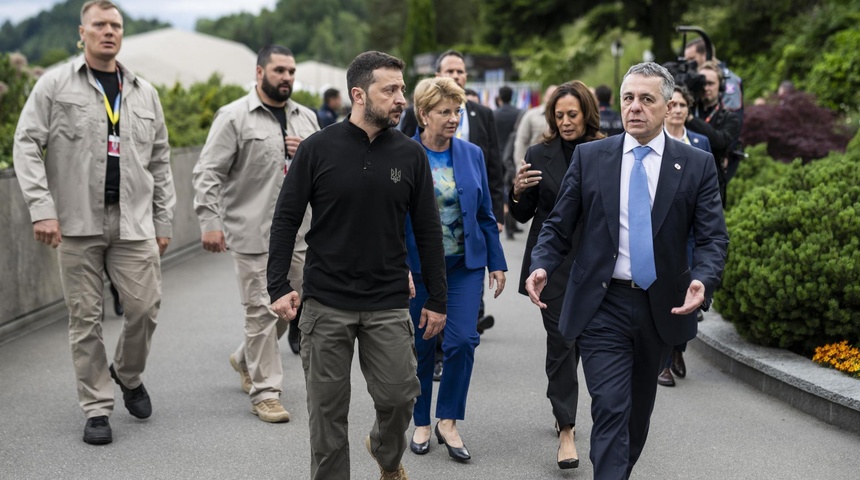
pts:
[824, 393]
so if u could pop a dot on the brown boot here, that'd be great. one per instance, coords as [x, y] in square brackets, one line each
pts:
[399, 474]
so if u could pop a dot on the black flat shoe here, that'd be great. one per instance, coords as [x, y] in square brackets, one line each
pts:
[459, 454]
[419, 448]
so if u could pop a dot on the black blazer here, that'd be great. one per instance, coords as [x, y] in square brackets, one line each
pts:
[687, 198]
[535, 204]
[482, 132]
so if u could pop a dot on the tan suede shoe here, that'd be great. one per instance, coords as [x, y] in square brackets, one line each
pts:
[271, 411]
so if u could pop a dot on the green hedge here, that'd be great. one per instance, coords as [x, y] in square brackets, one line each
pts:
[757, 170]
[791, 279]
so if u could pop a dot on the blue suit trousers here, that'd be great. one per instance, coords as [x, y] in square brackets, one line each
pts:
[459, 343]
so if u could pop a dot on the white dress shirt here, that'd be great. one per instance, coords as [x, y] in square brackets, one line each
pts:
[652, 163]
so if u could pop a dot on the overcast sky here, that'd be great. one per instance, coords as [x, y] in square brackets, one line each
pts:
[181, 13]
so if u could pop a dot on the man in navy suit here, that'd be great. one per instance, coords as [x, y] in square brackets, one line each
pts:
[632, 292]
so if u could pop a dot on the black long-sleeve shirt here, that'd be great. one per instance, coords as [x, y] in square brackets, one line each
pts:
[360, 192]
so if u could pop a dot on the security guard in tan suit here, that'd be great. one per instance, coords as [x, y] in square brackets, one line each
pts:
[237, 179]
[93, 162]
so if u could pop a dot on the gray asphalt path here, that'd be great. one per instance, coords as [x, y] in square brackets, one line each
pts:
[710, 426]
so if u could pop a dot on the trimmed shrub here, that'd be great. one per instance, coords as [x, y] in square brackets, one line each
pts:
[794, 258]
[757, 170]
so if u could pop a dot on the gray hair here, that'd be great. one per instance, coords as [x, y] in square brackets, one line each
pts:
[651, 69]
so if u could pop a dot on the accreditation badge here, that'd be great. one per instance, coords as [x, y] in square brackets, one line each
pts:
[113, 145]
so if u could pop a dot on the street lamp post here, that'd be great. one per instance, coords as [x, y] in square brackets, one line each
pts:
[617, 50]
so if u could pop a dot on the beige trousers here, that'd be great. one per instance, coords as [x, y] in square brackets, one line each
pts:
[386, 352]
[135, 270]
[259, 351]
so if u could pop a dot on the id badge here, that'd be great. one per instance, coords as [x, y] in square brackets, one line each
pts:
[113, 145]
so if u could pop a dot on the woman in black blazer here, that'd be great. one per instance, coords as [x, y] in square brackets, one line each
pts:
[572, 118]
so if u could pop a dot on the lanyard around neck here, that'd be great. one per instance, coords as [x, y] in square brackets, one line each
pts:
[113, 113]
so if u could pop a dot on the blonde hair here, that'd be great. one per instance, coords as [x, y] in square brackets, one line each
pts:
[430, 92]
[102, 4]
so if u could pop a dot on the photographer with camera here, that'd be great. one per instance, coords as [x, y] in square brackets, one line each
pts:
[713, 120]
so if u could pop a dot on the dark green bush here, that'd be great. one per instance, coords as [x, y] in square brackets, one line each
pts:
[757, 170]
[16, 80]
[791, 279]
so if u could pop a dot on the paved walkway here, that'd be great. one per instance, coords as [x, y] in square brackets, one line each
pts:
[711, 426]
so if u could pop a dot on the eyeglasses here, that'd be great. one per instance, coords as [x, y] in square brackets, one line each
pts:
[448, 113]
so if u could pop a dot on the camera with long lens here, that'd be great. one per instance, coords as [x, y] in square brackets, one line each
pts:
[684, 71]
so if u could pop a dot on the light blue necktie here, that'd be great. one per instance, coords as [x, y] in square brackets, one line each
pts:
[639, 220]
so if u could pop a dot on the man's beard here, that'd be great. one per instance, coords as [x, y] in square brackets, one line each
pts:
[378, 119]
[274, 92]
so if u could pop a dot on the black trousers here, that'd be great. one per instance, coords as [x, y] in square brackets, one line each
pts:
[562, 359]
[622, 354]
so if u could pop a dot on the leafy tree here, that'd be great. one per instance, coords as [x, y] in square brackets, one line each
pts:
[330, 30]
[420, 29]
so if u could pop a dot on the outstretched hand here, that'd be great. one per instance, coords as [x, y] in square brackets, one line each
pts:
[694, 299]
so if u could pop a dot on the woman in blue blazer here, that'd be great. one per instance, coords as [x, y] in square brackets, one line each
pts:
[679, 109]
[471, 240]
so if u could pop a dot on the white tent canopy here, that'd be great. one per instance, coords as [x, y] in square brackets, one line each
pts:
[169, 55]
[316, 77]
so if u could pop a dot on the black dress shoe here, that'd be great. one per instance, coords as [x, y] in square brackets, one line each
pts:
[665, 378]
[679, 368]
[419, 448]
[294, 336]
[97, 431]
[459, 454]
[136, 400]
[437, 371]
[485, 323]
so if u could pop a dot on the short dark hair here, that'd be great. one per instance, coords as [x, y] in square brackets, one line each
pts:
[264, 56]
[471, 92]
[330, 94]
[587, 104]
[360, 71]
[506, 94]
[448, 53]
[699, 44]
[604, 94]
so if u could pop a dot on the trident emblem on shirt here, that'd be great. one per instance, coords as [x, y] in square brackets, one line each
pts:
[395, 175]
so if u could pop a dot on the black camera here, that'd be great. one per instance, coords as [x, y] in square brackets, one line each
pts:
[684, 71]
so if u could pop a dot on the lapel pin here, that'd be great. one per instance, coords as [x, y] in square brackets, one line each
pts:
[677, 167]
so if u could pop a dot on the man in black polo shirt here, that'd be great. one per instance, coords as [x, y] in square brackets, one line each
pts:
[362, 177]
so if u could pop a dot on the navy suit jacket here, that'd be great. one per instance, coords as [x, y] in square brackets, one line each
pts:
[699, 141]
[482, 244]
[687, 198]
